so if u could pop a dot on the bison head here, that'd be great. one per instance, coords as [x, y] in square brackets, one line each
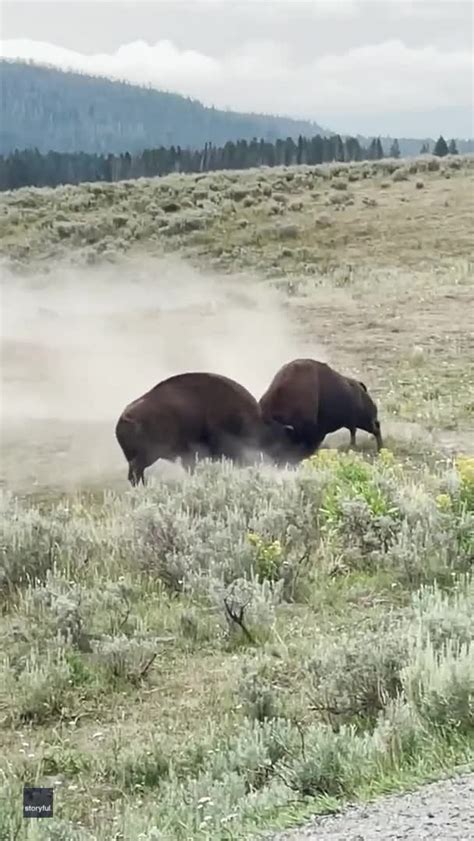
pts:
[279, 442]
[367, 412]
[371, 417]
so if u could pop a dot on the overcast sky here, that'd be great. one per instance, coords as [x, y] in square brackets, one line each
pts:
[400, 67]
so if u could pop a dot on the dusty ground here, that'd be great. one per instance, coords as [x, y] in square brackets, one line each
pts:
[379, 283]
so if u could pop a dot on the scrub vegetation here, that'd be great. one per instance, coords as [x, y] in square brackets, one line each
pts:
[228, 652]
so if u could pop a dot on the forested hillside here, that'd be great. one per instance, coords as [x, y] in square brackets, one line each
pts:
[48, 109]
[29, 168]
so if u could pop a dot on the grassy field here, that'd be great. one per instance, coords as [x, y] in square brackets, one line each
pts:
[227, 653]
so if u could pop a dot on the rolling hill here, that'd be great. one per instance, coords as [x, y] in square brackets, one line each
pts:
[50, 109]
[54, 110]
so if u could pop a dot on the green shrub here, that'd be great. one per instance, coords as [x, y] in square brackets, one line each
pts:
[400, 175]
[354, 677]
[445, 617]
[338, 184]
[333, 764]
[440, 684]
[39, 686]
[257, 692]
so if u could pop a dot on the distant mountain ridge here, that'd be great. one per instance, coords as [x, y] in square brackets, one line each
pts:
[51, 109]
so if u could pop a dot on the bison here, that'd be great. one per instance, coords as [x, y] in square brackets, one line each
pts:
[193, 415]
[312, 400]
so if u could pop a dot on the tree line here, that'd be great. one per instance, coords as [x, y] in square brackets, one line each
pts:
[30, 168]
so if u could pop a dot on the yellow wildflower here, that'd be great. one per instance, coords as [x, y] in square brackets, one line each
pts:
[465, 468]
[443, 501]
[386, 457]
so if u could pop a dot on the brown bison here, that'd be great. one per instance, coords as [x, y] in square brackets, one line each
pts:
[193, 415]
[312, 400]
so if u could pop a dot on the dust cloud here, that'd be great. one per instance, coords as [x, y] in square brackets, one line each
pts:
[79, 343]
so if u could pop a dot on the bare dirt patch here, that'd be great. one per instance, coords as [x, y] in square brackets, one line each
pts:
[79, 343]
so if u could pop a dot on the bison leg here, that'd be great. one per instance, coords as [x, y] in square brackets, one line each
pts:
[136, 472]
[223, 444]
[196, 452]
[188, 462]
[131, 474]
[353, 438]
[378, 435]
[312, 438]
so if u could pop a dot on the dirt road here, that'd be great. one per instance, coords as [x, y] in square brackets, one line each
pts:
[442, 811]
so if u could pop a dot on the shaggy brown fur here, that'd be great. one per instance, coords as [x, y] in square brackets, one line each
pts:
[192, 415]
[315, 400]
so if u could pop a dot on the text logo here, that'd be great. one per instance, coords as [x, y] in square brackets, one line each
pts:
[37, 802]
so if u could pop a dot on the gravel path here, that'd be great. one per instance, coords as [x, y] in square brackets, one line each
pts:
[443, 811]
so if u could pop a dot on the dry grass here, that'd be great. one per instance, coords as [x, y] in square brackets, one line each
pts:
[371, 271]
[227, 217]
[382, 287]
[334, 552]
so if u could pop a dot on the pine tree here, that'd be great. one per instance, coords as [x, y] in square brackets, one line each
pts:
[337, 148]
[327, 150]
[316, 150]
[203, 162]
[270, 154]
[254, 153]
[372, 150]
[353, 150]
[290, 152]
[395, 149]
[441, 147]
[242, 153]
[126, 165]
[300, 152]
[279, 152]
[228, 155]
[452, 148]
[425, 149]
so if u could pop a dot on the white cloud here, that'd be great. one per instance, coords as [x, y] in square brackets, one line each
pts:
[429, 9]
[376, 79]
[322, 8]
